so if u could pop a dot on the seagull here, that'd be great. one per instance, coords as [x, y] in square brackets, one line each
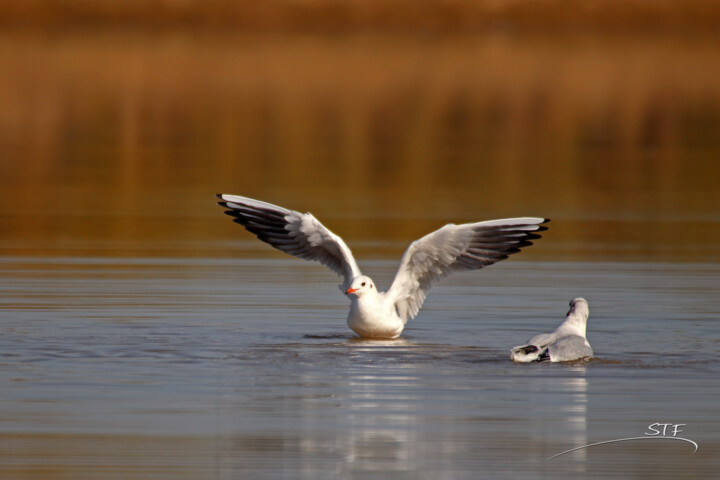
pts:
[383, 315]
[565, 344]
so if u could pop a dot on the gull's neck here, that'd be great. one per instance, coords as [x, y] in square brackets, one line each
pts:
[575, 324]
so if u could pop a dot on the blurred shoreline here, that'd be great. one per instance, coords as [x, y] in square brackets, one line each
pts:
[118, 132]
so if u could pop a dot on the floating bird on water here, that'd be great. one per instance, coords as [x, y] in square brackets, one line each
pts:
[565, 344]
[426, 261]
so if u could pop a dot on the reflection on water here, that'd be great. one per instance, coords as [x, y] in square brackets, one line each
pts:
[173, 368]
[575, 414]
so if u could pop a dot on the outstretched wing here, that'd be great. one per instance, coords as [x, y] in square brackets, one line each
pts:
[455, 248]
[292, 232]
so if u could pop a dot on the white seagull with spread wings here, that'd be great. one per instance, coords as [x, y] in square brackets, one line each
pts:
[375, 314]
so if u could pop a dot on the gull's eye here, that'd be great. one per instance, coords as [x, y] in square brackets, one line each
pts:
[362, 284]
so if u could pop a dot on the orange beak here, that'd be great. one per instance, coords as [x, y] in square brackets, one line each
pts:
[350, 290]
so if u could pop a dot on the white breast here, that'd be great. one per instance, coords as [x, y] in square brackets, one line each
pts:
[373, 316]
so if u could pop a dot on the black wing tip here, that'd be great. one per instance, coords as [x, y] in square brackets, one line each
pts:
[541, 225]
[219, 195]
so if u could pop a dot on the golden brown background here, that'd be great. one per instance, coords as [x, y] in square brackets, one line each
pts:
[120, 120]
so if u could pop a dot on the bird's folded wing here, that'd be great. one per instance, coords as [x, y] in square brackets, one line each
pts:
[528, 353]
[535, 350]
[543, 340]
[455, 248]
[569, 348]
[295, 233]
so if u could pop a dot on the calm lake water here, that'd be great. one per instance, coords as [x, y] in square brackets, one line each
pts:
[143, 335]
[227, 368]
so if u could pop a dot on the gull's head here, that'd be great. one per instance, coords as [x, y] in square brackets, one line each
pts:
[579, 309]
[360, 286]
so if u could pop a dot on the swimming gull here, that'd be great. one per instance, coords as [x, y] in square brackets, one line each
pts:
[565, 344]
[426, 261]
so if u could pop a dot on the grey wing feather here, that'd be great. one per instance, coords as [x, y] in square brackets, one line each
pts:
[456, 248]
[536, 349]
[543, 339]
[569, 348]
[295, 233]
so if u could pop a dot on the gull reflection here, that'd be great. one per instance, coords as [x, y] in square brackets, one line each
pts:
[400, 410]
[382, 398]
[575, 411]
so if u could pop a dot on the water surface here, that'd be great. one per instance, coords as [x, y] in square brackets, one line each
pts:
[227, 368]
